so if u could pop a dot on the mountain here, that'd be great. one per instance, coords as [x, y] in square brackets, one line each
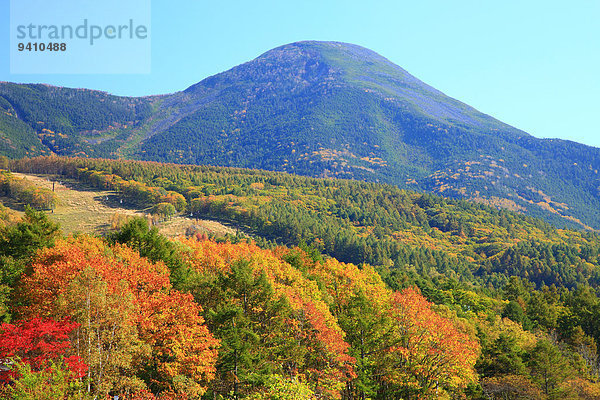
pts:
[318, 109]
[39, 119]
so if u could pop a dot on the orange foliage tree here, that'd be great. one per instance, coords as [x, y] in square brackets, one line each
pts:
[132, 322]
[325, 362]
[431, 354]
[402, 346]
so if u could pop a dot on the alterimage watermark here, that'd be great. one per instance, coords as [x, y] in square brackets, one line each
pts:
[74, 36]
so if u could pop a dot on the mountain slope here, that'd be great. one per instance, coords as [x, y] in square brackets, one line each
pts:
[68, 121]
[335, 109]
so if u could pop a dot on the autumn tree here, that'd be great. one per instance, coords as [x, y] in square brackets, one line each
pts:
[132, 323]
[18, 244]
[402, 346]
[252, 297]
[107, 337]
[432, 353]
[52, 383]
[37, 359]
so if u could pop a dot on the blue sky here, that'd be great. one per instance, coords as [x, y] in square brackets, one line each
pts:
[532, 64]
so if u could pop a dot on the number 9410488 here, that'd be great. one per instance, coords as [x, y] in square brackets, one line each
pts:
[42, 46]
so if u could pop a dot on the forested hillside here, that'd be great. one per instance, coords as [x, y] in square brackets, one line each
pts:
[354, 221]
[321, 109]
[43, 119]
[349, 290]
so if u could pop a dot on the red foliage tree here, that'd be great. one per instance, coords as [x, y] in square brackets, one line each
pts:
[36, 342]
[127, 307]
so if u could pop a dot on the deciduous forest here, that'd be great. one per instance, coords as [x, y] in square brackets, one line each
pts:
[332, 289]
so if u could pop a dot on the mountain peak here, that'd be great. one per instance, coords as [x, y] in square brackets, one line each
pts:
[348, 50]
[346, 57]
[321, 109]
[297, 65]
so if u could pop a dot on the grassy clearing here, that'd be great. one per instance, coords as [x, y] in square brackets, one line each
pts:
[87, 210]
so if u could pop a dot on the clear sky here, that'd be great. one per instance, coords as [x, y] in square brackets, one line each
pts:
[532, 64]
